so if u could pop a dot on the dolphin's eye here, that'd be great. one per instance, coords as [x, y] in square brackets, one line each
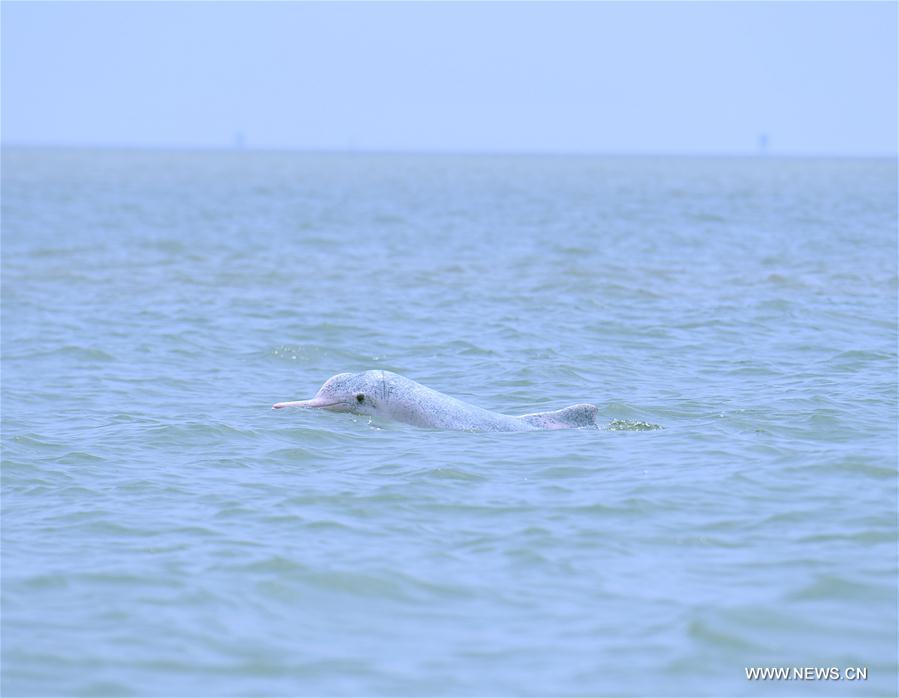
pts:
[360, 398]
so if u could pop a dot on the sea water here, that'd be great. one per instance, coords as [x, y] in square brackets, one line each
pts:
[166, 533]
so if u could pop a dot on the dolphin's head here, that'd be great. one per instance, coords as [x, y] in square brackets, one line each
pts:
[360, 393]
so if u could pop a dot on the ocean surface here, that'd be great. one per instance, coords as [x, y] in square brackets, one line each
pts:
[165, 532]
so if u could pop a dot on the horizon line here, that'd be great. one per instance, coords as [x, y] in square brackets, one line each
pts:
[430, 150]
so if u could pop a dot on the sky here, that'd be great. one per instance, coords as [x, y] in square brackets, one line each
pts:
[702, 78]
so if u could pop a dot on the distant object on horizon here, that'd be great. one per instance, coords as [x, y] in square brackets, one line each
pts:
[763, 141]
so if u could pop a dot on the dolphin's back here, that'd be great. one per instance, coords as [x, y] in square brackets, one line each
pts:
[574, 417]
[411, 402]
[417, 404]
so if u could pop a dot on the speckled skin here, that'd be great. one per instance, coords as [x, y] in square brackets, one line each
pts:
[389, 395]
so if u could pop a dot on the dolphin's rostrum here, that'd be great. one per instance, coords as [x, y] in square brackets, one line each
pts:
[389, 395]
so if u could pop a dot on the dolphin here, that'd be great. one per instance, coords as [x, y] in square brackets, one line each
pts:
[390, 395]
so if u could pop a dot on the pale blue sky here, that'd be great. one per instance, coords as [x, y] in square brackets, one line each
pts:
[817, 78]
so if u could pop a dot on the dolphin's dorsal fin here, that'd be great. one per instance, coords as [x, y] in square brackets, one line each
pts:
[573, 417]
